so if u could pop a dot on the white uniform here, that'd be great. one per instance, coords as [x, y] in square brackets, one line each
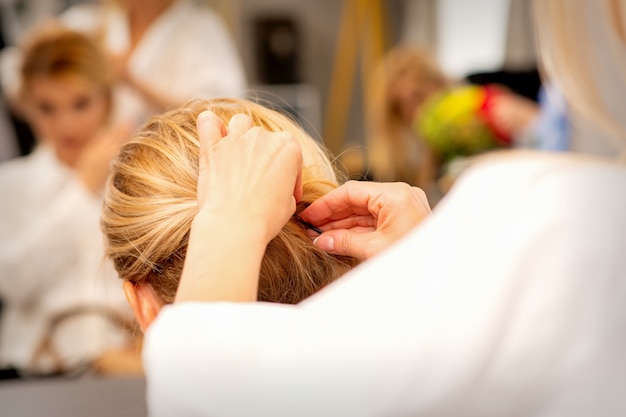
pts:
[186, 53]
[509, 300]
[51, 261]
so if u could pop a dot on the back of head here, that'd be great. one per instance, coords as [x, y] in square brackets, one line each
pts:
[150, 203]
[55, 52]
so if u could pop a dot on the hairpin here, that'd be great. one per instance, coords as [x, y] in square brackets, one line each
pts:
[307, 224]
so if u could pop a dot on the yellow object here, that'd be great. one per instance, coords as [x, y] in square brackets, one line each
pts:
[362, 21]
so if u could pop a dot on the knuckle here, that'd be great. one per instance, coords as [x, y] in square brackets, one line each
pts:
[256, 131]
[345, 244]
[419, 193]
[401, 192]
[402, 186]
[241, 118]
[404, 195]
[289, 143]
[286, 136]
[288, 140]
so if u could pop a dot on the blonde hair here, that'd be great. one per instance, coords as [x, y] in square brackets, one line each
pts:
[582, 48]
[387, 132]
[150, 202]
[56, 52]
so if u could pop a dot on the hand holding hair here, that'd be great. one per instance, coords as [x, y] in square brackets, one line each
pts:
[248, 185]
[247, 172]
[361, 219]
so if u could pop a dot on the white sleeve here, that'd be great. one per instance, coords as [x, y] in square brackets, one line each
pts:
[50, 243]
[10, 81]
[509, 298]
[212, 65]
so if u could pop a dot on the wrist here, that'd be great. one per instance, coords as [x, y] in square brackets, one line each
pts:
[223, 258]
[236, 224]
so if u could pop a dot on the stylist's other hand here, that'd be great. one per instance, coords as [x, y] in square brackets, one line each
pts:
[361, 219]
[92, 166]
[248, 176]
[119, 63]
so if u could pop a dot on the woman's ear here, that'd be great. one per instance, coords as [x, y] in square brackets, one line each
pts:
[144, 301]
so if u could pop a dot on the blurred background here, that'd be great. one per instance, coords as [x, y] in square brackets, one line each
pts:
[398, 90]
[290, 48]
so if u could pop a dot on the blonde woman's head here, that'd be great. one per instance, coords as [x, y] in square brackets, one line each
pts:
[150, 203]
[65, 88]
[403, 81]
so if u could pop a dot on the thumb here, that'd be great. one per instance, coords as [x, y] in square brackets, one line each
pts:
[297, 191]
[342, 242]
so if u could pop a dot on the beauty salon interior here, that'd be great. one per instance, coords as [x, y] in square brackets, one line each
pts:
[395, 90]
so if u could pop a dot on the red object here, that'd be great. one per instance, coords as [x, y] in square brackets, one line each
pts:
[486, 110]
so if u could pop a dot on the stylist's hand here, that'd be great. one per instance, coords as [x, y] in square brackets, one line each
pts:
[248, 185]
[248, 175]
[361, 219]
[92, 166]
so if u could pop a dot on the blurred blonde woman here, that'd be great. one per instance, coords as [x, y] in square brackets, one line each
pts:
[61, 303]
[406, 78]
[151, 201]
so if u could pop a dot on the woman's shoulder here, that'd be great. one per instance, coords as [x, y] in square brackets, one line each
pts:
[530, 167]
[540, 188]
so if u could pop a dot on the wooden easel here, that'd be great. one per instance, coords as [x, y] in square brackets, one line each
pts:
[362, 30]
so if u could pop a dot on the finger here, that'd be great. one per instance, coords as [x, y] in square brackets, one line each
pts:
[210, 128]
[239, 124]
[351, 222]
[421, 199]
[297, 191]
[292, 151]
[346, 200]
[356, 229]
[342, 242]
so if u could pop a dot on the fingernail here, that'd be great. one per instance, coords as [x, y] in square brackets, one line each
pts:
[206, 114]
[326, 243]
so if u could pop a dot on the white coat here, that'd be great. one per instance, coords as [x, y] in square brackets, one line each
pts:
[52, 261]
[508, 301]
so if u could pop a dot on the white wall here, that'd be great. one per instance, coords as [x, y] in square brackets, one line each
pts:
[471, 35]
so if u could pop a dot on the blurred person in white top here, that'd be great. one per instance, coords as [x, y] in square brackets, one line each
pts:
[60, 299]
[166, 52]
[507, 300]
